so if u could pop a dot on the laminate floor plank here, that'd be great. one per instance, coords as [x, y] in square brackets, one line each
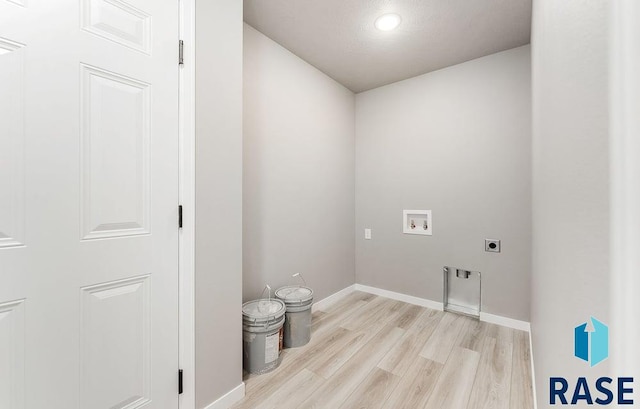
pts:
[335, 356]
[373, 391]
[473, 335]
[456, 380]
[442, 341]
[337, 389]
[505, 334]
[403, 354]
[406, 320]
[293, 392]
[521, 380]
[333, 360]
[492, 385]
[415, 386]
[317, 315]
[335, 319]
[377, 309]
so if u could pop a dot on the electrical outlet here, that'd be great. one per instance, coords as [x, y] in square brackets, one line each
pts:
[367, 234]
[492, 245]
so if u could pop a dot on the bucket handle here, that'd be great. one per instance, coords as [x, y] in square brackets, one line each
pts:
[299, 275]
[266, 287]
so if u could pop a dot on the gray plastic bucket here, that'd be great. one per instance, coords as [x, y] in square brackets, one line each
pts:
[297, 326]
[262, 322]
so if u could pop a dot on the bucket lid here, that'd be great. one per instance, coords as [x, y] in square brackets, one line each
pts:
[263, 309]
[294, 294]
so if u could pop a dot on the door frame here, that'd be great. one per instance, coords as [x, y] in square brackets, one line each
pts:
[624, 194]
[186, 240]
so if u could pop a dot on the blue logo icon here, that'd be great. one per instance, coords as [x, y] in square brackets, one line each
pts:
[591, 345]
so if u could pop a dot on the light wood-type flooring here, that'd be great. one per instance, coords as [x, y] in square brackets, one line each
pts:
[373, 352]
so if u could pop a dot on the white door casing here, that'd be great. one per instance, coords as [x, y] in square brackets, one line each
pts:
[88, 204]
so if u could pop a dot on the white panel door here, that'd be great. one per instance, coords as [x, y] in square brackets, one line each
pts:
[88, 204]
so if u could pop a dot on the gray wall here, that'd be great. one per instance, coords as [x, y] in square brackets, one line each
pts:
[570, 280]
[218, 198]
[298, 172]
[458, 142]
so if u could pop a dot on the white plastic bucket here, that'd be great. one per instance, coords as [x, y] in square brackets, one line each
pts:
[262, 334]
[297, 326]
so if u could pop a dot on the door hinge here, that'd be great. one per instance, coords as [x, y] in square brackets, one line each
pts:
[181, 52]
[180, 216]
[180, 389]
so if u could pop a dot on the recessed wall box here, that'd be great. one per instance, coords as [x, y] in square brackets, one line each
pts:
[417, 222]
[462, 291]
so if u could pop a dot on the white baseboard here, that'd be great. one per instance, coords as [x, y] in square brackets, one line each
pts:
[326, 302]
[435, 305]
[423, 302]
[505, 321]
[533, 372]
[229, 399]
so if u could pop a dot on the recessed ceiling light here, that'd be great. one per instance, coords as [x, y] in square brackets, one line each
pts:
[388, 22]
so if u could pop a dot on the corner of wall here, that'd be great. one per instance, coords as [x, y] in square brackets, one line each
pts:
[218, 254]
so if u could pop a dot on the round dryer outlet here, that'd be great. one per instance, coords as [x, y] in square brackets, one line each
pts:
[492, 245]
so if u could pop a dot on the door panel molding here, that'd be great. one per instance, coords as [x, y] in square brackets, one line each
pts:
[12, 149]
[12, 365]
[115, 150]
[115, 336]
[119, 22]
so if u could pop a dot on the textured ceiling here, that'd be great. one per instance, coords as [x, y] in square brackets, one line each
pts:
[338, 36]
